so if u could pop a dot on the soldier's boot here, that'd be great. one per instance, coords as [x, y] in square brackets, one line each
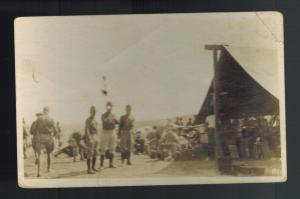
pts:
[128, 158]
[101, 161]
[93, 164]
[111, 159]
[122, 157]
[48, 162]
[88, 162]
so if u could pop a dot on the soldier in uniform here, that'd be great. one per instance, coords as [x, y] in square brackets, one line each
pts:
[25, 141]
[125, 134]
[44, 131]
[58, 135]
[108, 137]
[91, 138]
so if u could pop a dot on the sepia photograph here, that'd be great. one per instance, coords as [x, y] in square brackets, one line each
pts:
[150, 99]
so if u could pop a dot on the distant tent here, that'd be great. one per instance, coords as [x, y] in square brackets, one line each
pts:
[239, 93]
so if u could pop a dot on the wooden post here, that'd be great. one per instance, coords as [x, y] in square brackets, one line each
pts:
[218, 148]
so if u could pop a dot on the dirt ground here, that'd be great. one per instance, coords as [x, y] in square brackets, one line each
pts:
[143, 166]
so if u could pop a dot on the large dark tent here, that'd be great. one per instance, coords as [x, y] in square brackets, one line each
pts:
[239, 94]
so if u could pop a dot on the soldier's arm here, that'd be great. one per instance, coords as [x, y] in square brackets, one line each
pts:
[53, 127]
[120, 127]
[86, 129]
[132, 122]
[32, 128]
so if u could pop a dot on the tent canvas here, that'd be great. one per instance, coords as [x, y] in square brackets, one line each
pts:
[239, 93]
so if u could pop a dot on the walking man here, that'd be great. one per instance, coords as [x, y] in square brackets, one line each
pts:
[125, 134]
[92, 141]
[108, 137]
[43, 139]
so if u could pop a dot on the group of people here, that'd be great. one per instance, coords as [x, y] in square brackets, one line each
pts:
[254, 137]
[175, 138]
[95, 141]
[172, 140]
[105, 141]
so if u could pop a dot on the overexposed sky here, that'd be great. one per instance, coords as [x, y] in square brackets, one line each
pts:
[156, 63]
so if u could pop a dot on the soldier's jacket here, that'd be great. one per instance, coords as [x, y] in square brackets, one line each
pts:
[45, 125]
[126, 123]
[109, 121]
[25, 134]
[91, 126]
[32, 130]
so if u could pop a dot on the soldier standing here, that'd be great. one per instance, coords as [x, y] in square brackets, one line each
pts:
[108, 137]
[58, 135]
[125, 134]
[44, 131]
[91, 138]
[25, 141]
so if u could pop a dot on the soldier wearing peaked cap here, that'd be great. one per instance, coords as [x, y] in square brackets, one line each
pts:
[91, 138]
[125, 134]
[108, 137]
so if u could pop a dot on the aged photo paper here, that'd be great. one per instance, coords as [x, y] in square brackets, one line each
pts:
[150, 99]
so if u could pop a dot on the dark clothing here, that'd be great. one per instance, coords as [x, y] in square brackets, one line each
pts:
[43, 130]
[91, 126]
[126, 123]
[139, 145]
[25, 134]
[91, 137]
[43, 141]
[125, 141]
[32, 130]
[45, 125]
[125, 131]
[109, 121]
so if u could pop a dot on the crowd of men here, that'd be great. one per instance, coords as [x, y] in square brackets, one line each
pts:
[173, 140]
[95, 142]
[255, 137]
[250, 138]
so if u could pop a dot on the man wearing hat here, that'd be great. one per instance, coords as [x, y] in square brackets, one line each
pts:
[91, 138]
[125, 134]
[108, 137]
[44, 131]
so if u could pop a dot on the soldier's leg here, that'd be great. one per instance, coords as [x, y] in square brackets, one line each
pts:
[49, 148]
[38, 163]
[48, 161]
[129, 149]
[103, 146]
[111, 146]
[95, 154]
[89, 157]
[123, 155]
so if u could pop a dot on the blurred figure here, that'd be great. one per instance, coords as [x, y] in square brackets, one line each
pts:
[108, 137]
[179, 121]
[125, 135]
[74, 148]
[169, 145]
[258, 148]
[44, 130]
[139, 144]
[58, 134]
[91, 137]
[190, 122]
[152, 139]
[33, 132]
[25, 139]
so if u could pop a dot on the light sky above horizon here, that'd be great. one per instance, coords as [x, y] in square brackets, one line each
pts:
[156, 63]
